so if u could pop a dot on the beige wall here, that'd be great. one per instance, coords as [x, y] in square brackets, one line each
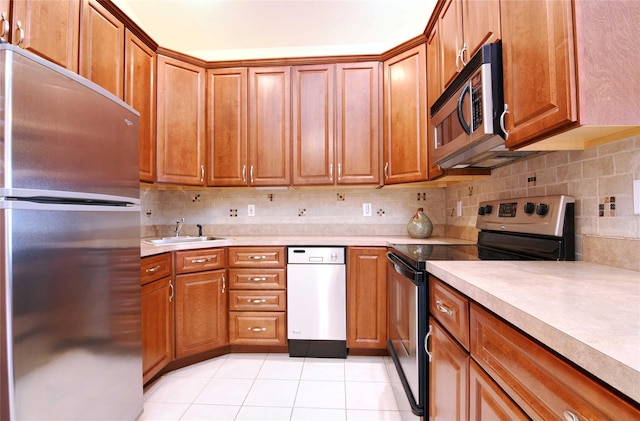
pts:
[589, 175]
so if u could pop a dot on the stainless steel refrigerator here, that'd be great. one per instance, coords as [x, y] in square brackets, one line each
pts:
[69, 229]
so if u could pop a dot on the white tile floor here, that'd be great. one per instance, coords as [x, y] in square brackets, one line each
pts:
[255, 387]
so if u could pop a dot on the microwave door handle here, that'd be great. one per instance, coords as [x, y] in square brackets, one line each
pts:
[464, 124]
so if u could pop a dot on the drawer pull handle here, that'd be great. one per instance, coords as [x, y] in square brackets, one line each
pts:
[256, 257]
[208, 259]
[256, 329]
[258, 279]
[153, 269]
[442, 308]
[570, 416]
[256, 301]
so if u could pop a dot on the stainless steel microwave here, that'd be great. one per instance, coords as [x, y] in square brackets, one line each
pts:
[468, 118]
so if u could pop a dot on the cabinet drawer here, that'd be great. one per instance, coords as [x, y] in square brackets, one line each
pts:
[451, 309]
[257, 278]
[544, 385]
[155, 267]
[257, 328]
[257, 300]
[199, 260]
[269, 257]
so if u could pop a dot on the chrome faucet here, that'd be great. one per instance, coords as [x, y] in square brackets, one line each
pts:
[179, 223]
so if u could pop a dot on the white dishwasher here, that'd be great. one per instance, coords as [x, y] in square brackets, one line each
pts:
[317, 302]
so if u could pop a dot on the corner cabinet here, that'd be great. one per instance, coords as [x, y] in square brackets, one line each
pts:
[50, 29]
[269, 126]
[140, 93]
[405, 117]
[181, 122]
[201, 301]
[366, 298]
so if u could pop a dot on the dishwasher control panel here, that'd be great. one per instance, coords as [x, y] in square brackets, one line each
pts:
[316, 255]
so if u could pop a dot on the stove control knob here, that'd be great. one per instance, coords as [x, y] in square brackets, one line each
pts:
[529, 208]
[481, 210]
[542, 209]
[488, 209]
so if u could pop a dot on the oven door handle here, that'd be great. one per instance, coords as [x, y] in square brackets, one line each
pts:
[404, 269]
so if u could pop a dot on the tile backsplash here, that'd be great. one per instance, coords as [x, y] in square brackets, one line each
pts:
[310, 211]
[601, 172]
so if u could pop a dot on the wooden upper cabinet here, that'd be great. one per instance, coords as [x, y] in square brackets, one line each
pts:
[140, 93]
[358, 109]
[50, 29]
[434, 89]
[102, 46]
[269, 126]
[405, 117]
[180, 126]
[464, 26]
[539, 67]
[227, 127]
[313, 125]
[560, 82]
[336, 133]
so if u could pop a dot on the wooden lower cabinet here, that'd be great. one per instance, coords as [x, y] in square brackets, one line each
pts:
[544, 385]
[257, 296]
[487, 401]
[157, 313]
[448, 376]
[201, 312]
[157, 327]
[257, 328]
[366, 298]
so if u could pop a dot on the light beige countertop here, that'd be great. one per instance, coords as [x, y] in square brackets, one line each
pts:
[586, 312]
[147, 249]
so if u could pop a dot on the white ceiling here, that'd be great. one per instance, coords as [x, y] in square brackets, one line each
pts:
[218, 30]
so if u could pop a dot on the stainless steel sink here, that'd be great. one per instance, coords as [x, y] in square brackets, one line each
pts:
[181, 239]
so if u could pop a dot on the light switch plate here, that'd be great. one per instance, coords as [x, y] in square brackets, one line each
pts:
[636, 197]
[251, 210]
[366, 209]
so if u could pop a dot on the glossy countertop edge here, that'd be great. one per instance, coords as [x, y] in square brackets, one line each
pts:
[587, 312]
[147, 249]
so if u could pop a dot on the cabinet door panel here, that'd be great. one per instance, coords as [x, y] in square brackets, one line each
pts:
[358, 123]
[201, 312]
[405, 117]
[102, 46]
[51, 29]
[181, 127]
[539, 68]
[450, 28]
[448, 377]
[313, 135]
[269, 126]
[227, 127]
[481, 23]
[157, 327]
[487, 401]
[140, 93]
[366, 297]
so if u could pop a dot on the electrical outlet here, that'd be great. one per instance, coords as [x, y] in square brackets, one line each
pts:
[366, 209]
[636, 197]
[251, 210]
